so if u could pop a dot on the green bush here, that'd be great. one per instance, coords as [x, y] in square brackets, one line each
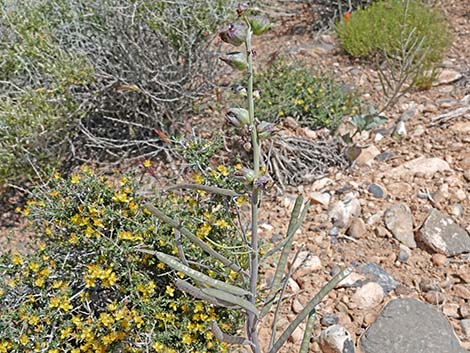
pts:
[392, 27]
[295, 90]
[94, 78]
[87, 288]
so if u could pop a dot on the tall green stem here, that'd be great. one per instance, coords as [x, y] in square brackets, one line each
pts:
[252, 323]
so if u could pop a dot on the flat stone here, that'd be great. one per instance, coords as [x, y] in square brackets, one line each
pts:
[461, 291]
[306, 263]
[297, 306]
[321, 198]
[384, 156]
[368, 296]
[336, 339]
[399, 220]
[376, 190]
[442, 235]
[407, 325]
[375, 273]
[451, 310]
[427, 167]
[447, 76]
[367, 155]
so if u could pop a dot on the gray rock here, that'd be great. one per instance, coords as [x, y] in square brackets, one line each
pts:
[375, 273]
[329, 320]
[399, 221]
[409, 326]
[441, 234]
[465, 324]
[384, 156]
[336, 339]
[376, 190]
[404, 253]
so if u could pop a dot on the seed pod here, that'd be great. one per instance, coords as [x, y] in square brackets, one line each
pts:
[265, 129]
[259, 24]
[248, 176]
[236, 60]
[234, 33]
[238, 117]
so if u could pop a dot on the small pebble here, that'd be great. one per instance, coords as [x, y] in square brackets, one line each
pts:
[404, 253]
[439, 259]
[329, 320]
[376, 190]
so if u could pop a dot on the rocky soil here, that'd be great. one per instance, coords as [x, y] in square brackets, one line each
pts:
[401, 213]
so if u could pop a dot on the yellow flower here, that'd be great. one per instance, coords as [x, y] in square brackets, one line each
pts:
[24, 340]
[221, 223]
[34, 266]
[222, 170]
[187, 339]
[33, 320]
[75, 179]
[54, 302]
[16, 259]
[198, 178]
[170, 291]
[39, 282]
[65, 304]
[158, 347]
[203, 230]
[147, 163]
[120, 197]
[106, 320]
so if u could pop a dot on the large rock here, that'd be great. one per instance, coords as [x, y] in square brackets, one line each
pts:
[410, 326]
[399, 221]
[426, 166]
[441, 234]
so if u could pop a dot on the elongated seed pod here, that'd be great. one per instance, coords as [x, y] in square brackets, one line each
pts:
[233, 299]
[196, 275]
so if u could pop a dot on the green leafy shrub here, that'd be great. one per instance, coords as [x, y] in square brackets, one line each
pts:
[88, 289]
[296, 90]
[106, 72]
[395, 27]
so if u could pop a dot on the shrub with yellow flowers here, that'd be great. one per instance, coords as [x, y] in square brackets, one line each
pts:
[86, 288]
[315, 100]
